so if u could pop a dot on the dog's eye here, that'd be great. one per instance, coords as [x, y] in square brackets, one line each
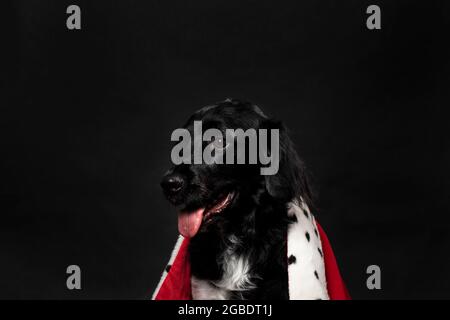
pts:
[219, 144]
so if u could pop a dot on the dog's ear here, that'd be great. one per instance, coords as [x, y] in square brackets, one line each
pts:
[290, 182]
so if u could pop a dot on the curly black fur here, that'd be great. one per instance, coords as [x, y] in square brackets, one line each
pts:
[257, 215]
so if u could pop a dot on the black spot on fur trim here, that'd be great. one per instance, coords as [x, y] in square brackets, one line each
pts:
[316, 233]
[293, 219]
[316, 274]
[320, 251]
[306, 213]
[292, 259]
[168, 267]
[307, 236]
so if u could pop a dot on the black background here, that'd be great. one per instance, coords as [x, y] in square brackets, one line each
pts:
[86, 118]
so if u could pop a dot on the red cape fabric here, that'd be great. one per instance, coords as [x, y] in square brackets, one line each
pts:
[177, 284]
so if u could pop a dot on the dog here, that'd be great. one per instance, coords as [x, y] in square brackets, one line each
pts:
[236, 218]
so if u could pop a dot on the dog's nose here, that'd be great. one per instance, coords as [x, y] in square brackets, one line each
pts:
[172, 183]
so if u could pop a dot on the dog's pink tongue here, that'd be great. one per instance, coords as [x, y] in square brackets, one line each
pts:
[189, 222]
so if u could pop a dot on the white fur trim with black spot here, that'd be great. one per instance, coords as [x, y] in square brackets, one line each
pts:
[166, 269]
[306, 267]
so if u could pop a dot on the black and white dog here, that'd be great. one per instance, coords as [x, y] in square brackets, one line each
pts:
[238, 219]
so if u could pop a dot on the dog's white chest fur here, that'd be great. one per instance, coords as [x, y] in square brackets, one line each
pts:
[236, 276]
[205, 290]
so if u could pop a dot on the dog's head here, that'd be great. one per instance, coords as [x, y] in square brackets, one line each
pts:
[214, 194]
